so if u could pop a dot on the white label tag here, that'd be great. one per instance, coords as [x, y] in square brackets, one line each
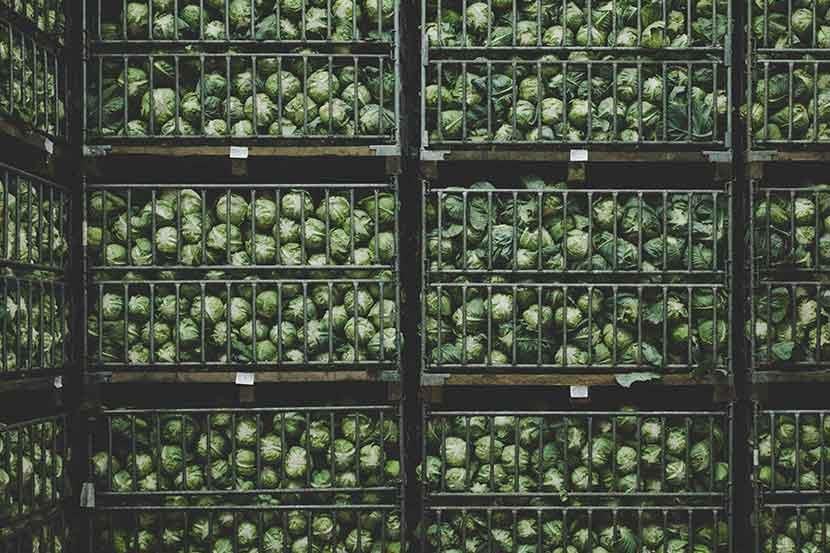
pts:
[245, 379]
[88, 495]
[579, 392]
[756, 458]
[49, 146]
[58, 382]
[579, 155]
[84, 240]
[239, 152]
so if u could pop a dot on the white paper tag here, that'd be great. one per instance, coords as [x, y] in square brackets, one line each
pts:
[579, 392]
[579, 155]
[84, 240]
[756, 458]
[88, 495]
[245, 379]
[49, 146]
[239, 152]
[58, 382]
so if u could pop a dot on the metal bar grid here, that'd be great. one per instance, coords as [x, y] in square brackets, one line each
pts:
[289, 99]
[616, 27]
[786, 27]
[786, 105]
[790, 454]
[294, 228]
[227, 324]
[586, 528]
[243, 528]
[50, 533]
[243, 22]
[801, 526]
[47, 17]
[33, 82]
[484, 103]
[786, 320]
[534, 327]
[293, 455]
[483, 230]
[588, 456]
[34, 462]
[34, 222]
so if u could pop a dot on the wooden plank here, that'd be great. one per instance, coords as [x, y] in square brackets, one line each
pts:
[253, 151]
[563, 155]
[560, 380]
[227, 377]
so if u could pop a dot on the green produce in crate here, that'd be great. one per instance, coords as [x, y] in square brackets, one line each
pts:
[790, 529]
[217, 20]
[792, 452]
[275, 323]
[292, 228]
[32, 222]
[34, 325]
[555, 100]
[43, 535]
[289, 450]
[553, 229]
[367, 530]
[792, 228]
[33, 465]
[620, 24]
[292, 96]
[792, 324]
[47, 15]
[563, 455]
[603, 531]
[780, 25]
[31, 82]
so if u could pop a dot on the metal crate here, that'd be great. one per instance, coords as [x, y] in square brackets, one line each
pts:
[518, 103]
[788, 446]
[452, 26]
[592, 457]
[34, 223]
[248, 527]
[297, 224]
[793, 525]
[782, 94]
[302, 455]
[46, 16]
[289, 24]
[48, 533]
[475, 231]
[773, 29]
[548, 328]
[157, 99]
[572, 528]
[33, 81]
[34, 461]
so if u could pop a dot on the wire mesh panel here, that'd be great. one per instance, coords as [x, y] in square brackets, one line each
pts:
[35, 327]
[588, 456]
[793, 527]
[575, 101]
[302, 98]
[47, 534]
[34, 462]
[787, 102]
[34, 222]
[32, 82]
[535, 228]
[791, 452]
[325, 227]
[48, 16]
[304, 455]
[666, 528]
[224, 323]
[548, 328]
[216, 21]
[616, 26]
[789, 328]
[263, 527]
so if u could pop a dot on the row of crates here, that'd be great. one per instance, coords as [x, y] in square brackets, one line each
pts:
[327, 73]
[335, 475]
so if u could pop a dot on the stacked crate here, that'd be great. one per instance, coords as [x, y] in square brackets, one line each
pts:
[249, 283]
[35, 238]
[787, 136]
